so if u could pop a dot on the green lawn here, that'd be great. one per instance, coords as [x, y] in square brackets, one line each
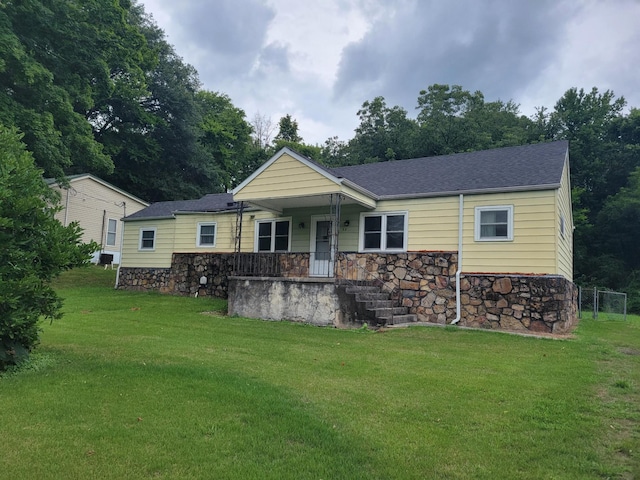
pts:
[133, 385]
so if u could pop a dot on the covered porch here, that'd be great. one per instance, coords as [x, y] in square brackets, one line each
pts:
[315, 215]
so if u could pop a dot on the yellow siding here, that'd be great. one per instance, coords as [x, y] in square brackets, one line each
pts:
[433, 222]
[92, 204]
[347, 236]
[565, 242]
[186, 231]
[286, 177]
[534, 235]
[164, 244]
[360, 197]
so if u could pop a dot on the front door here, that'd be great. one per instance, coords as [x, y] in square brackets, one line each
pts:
[321, 251]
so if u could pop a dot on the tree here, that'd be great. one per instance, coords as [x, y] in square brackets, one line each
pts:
[383, 134]
[66, 63]
[334, 152]
[288, 130]
[453, 120]
[35, 248]
[226, 137]
[262, 130]
[160, 156]
[585, 119]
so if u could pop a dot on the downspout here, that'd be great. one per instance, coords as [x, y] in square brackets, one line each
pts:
[124, 208]
[458, 305]
[66, 208]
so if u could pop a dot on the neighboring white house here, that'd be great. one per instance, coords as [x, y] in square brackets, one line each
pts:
[99, 208]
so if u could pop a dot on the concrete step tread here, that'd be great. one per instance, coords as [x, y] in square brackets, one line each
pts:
[402, 319]
[364, 297]
[355, 289]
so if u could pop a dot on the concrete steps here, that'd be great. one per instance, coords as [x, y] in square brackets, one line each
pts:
[379, 308]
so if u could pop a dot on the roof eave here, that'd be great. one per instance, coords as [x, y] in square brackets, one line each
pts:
[348, 183]
[159, 217]
[478, 191]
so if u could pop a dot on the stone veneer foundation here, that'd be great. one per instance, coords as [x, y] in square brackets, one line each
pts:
[422, 281]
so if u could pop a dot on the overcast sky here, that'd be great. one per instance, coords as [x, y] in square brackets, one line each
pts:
[319, 60]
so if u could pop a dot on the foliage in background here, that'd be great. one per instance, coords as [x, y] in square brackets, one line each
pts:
[35, 249]
[95, 87]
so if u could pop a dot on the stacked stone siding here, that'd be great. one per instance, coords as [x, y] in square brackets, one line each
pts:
[422, 281]
[145, 279]
[532, 303]
[188, 268]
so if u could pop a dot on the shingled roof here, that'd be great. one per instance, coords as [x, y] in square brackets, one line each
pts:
[528, 167]
[534, 166]
[214, 202]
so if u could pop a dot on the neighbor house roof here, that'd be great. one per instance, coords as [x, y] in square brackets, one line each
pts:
[75, 178]
[214, 202]
[535, 166]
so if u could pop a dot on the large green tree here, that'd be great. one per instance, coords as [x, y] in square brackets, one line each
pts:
[385, 133]
[35, 248]
[454, 120]
[66, 62]
[226, 137]
[159, 156]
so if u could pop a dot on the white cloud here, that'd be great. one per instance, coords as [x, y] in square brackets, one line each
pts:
[318, 61]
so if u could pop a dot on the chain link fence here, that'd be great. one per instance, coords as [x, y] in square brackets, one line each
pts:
[602, 304]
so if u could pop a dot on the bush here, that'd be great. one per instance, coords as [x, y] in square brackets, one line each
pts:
[35, 249]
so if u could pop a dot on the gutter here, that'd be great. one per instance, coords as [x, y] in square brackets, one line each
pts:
[458, 304]
[477, 191]
[162, 217]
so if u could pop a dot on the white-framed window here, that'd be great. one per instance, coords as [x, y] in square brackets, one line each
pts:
[112, 226]
[562, 225]
[147, 238]
[494, 223]
[273, 235]
[383, 232]
[206, 234]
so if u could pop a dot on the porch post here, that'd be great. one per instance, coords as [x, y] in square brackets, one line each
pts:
[238, 238]
[335, 230]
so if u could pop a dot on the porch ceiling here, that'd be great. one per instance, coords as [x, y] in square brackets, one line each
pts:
[281, 203]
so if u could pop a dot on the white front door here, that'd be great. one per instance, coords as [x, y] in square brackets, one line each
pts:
[320, 263]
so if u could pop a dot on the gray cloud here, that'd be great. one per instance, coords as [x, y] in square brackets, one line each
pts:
[496, 47]
[229, 34]
[279, 56]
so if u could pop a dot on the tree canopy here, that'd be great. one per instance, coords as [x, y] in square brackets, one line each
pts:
[94, 86]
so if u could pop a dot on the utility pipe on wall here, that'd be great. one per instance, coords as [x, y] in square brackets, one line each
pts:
[458, 305]
[124, 211]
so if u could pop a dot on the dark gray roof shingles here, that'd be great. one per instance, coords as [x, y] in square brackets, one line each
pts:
[214, 202]
[526, 166]
[502, 169]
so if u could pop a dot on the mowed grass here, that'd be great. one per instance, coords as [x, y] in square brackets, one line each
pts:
[132, 385]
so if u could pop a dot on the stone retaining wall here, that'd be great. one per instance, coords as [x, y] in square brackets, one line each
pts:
[527, 303]
[422, 281]
[145, 279]
[188, 268]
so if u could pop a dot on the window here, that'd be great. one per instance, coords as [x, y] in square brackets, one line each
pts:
[206, 235]
[112, 225]
[384, 232]
[147, 239]
[273, 236]
[494, 223]
[562, 227]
